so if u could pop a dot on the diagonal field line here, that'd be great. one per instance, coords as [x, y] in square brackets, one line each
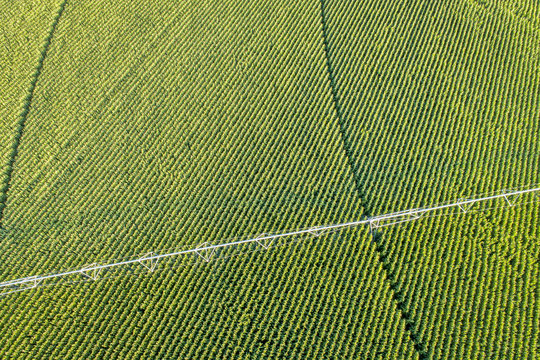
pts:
[348, 152]
[26, 110]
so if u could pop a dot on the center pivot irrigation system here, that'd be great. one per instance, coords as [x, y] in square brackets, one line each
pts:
[206, 251]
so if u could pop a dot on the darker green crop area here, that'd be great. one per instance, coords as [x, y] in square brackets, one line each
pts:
[439, 100]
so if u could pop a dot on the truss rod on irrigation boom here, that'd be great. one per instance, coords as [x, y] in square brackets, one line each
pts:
[207, 251]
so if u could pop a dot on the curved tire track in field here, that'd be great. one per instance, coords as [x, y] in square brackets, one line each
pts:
[337, 107]
[19, 130]
[396, 294]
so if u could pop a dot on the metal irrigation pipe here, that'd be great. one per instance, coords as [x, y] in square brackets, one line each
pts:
[373, 222]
